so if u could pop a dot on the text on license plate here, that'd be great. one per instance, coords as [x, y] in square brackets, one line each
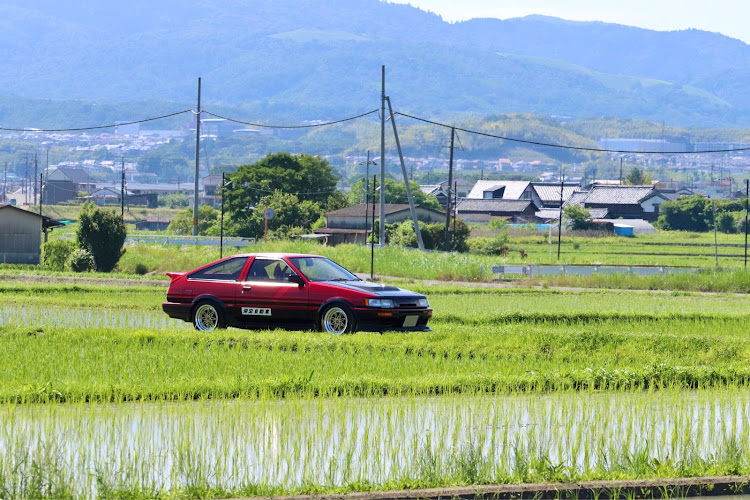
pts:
[256, 311]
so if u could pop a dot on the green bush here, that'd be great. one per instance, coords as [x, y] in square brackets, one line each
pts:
[102, 233]
[82, 261]
[433, 235]
[57, 253]
[141, 268]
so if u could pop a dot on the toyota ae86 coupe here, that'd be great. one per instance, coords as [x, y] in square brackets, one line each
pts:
[293, 291]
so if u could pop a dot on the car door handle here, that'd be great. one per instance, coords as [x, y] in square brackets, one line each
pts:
[246, 289]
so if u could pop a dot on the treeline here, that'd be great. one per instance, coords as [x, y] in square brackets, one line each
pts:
[698, 213]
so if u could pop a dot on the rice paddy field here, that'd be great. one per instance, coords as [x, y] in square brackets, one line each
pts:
[102, 395]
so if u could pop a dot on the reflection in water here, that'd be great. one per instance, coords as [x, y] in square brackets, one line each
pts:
[341, 441]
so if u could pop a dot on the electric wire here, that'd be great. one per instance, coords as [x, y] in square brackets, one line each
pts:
[80, 129]
[324, 124]
[563, 146]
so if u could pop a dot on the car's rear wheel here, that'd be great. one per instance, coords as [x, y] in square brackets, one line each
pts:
[337, 319]
[208, 317]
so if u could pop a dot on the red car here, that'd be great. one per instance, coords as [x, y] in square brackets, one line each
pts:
[293, 291]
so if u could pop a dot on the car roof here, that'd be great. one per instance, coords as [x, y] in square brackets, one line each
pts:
[276, 255]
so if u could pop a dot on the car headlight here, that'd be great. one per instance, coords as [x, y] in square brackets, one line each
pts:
[423, 303]
[379, 302]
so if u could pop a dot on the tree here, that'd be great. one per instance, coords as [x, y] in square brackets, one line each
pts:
[102, 233]
[433, 235]
[289, 212]
[310, 178]
[395, 192]
[337, 200]
[726, 222]
[183, 221]
[686, 213]
[579, 217]
[637, 177]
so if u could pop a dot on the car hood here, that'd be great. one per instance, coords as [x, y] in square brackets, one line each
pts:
[373, 288]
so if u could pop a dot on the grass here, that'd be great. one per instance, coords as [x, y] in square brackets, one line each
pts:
[102, 396]
[83, 343]
[209, 449]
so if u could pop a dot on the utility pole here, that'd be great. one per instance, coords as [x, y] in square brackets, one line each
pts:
[372, 246]
[41, 177]
[367, 175]
[221, 237]
[716, 240]
[559, 226]
[5, 183]
[412, 209]
[36, 168]
[747, 207]
[197, 159]
[44, 230]
[122, 191]
[26, 180]
[381, 231]
[367, 193]
[621, 171]
[446, 236]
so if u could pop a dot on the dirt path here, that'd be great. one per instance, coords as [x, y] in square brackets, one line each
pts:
[82, 280]
[651, 488]
[525, 284]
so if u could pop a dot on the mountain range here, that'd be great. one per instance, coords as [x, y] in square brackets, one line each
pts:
[321, 59]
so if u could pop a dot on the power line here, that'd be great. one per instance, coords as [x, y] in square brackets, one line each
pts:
[563, 146]
[290, 126]
[79, 129]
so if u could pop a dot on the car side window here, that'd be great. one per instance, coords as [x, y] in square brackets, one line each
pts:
[269, 270]
[228, 270]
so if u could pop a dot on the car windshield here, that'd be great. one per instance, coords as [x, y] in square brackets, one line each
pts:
[321, 269]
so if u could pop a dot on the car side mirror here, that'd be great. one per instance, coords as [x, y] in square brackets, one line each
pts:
[295, 278]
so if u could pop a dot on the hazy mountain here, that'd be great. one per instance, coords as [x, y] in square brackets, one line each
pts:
[319, 59]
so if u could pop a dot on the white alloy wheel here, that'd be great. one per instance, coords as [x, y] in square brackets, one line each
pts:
[336, 320]
[206, 318]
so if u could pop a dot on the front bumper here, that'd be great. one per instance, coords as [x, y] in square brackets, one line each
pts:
[403, 320]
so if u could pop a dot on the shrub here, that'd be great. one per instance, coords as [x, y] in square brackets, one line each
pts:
[82, 261]
[57, 253]
[102, 233]
[141, 268]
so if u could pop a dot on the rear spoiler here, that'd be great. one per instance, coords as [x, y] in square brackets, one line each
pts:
[174, 276]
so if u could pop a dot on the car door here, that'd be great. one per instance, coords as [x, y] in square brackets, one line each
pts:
[268, 298]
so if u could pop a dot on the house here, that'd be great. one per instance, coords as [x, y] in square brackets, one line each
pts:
[437, 191]
[500, 190]
[211, 184]
[152, 224]
[627, 202]
[547, 194]
[482, 210]
[542, 194]
[460, 187]
[105, 196]
[64, 183]
[21, 235]
[353, 224]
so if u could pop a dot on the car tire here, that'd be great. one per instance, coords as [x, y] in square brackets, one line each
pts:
[337, 319]
[207, 316]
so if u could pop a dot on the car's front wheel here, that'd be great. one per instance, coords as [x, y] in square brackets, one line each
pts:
[208, 317]
[337, 319]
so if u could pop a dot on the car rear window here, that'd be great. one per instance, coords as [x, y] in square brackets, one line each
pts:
[226, 270]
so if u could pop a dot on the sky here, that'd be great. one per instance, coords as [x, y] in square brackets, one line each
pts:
[729, 17]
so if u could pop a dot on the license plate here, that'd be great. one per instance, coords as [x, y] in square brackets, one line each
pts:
[410, 321]
[256, 311]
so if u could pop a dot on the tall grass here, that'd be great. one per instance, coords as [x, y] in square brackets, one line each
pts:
[241, 448]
